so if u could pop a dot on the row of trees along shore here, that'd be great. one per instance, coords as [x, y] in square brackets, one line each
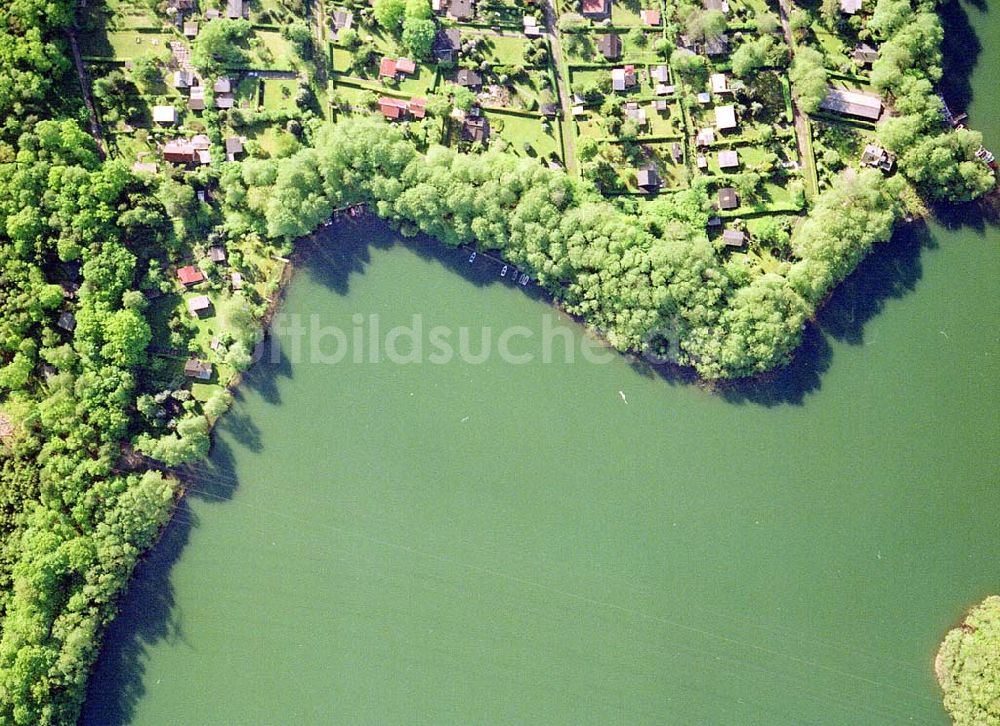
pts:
[638, 278]
[72, 525]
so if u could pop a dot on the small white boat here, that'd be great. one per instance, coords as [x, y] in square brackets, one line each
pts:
[503, 272]
[472, 257]
[524, 280]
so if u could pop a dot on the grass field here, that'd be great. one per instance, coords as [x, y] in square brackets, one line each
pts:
[504, 49]
[341, 59]
[124, 44]
[587, 76]
[642, 52]
[419, 84]
[274, 141]
[832, 46]
[121, 15]
[664, 123]
[590, 125]
[531, 90]
[279, 93]
[625, 14]
[519, 130]
[273, 51]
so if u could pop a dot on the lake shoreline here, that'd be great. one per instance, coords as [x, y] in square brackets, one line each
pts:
[308, 467]
[673, 371]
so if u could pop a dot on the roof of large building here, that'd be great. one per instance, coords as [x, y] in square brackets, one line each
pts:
[461, 9]
[195, 368]
[468, 78]
[418, 106]
[199, 303]
[164, 114]
[610, 46]
[396, 108]
[728, 159]
[67, 320]
[387, 67]
[392, 108]
[728, 198]
[622, 78]
[877, 157]
[734, 237]
[863, 54]
[647, 179]
[717, 46]
[853, 103]
[595, 7]
[179, 150]
[447, 42]
[342, 19]
[725, 117]
[476, 128]
[189, 275]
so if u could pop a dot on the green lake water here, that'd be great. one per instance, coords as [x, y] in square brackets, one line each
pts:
[566, 543]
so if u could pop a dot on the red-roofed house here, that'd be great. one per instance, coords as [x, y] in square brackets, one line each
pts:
[392, 108]
[651, 17]
[418, 107]
[595, 8]
[395, 109]
[387, 68]
[179, 151]
[395, 67]
[189, 275]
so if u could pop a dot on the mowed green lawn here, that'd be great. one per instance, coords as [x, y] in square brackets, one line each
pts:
[124, 44]
[277, 53]
[504, 49]
[518, 130]
[279, 93]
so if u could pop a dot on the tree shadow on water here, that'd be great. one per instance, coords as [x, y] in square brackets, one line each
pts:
[270, 364]
[332, 254]
[148, 613]
[960, 51]
[890, 271]
[482, 270]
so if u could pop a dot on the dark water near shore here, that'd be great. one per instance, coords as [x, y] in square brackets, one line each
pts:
[374, 543]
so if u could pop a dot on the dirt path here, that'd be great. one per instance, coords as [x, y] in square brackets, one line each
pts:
[95, 126]
[562, 82]
[801, 128]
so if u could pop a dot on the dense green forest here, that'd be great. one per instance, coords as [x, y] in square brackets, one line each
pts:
[72, 528]
[968, 666]
[81, 238]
